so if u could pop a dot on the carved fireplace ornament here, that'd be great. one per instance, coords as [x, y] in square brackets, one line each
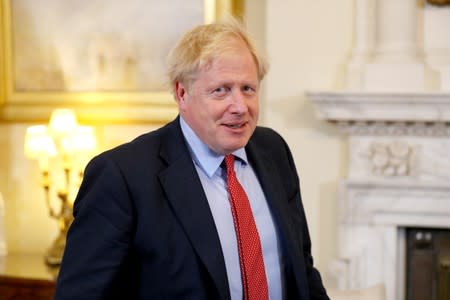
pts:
[391, 159]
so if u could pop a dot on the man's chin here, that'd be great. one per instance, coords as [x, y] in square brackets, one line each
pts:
[235, 146]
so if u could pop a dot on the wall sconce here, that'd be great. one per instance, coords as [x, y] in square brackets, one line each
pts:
[62, 149]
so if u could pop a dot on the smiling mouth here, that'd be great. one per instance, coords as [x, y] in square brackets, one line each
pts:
[235, 126]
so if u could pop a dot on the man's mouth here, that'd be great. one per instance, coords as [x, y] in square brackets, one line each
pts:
[235, 126]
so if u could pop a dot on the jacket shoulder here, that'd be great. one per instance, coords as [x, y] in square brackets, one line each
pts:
[267, 137]
[142, 148]
[148, 141]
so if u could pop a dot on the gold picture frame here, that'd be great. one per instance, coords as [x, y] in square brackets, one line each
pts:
[30, 104]
[439, 2]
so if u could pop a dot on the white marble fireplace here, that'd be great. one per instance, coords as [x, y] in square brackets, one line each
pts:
[398, 177]
[395, 112]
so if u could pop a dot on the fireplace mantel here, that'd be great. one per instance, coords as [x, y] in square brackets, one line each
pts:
[384, 107]
[398, 177]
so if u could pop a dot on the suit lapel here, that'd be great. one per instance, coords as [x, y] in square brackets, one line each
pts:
[274, 192]
[185, 193]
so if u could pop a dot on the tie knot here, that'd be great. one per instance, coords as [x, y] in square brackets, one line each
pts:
[229, 162]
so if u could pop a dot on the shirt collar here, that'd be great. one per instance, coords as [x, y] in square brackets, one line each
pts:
[208, 160]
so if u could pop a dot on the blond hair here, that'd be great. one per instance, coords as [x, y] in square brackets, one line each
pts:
[202, 44]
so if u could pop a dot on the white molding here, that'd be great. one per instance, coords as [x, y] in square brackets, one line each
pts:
[395, 203]
[378, 106]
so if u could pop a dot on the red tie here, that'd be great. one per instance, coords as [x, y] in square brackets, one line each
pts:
[254, 282]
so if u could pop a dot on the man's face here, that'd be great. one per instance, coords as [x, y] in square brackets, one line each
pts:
[221, 104]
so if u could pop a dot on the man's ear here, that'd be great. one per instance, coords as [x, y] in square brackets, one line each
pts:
[180, 92]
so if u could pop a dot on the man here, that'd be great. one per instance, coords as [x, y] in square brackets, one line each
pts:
[164, 217]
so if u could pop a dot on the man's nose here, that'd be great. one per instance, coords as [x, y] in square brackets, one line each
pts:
[238, 102]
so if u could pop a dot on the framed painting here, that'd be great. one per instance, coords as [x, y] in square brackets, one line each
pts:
[439, 2]
[103, 58]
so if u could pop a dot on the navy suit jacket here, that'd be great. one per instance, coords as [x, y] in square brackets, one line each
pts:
[143, 228]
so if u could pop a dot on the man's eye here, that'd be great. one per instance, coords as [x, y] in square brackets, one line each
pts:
[248, 89]
[220, 90]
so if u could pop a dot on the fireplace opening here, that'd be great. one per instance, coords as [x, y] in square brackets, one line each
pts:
[427, 264]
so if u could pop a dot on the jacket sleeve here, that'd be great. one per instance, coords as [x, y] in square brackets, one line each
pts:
[316, 289]
[99, 237]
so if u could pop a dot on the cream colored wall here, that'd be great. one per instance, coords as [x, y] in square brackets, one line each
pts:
[307, 42]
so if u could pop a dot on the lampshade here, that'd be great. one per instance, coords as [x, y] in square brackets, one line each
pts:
[38, 143]
[62, 122]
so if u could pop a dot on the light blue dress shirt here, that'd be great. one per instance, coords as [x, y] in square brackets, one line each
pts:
[213, 179]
